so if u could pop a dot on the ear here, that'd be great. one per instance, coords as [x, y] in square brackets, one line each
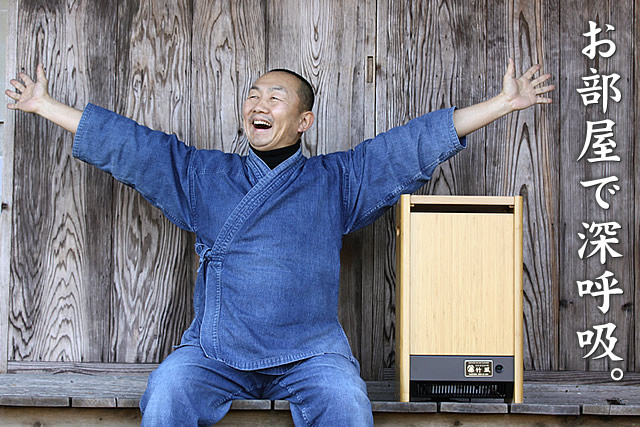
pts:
[306, 120]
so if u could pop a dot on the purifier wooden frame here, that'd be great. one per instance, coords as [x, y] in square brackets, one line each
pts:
[504, 340]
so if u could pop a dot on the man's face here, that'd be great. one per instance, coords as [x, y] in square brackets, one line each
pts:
[272, 115]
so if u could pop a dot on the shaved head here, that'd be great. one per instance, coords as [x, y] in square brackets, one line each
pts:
[305, 90]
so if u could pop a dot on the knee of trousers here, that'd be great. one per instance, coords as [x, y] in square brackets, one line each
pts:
[338, 404]
[165, 392]
[172, 399]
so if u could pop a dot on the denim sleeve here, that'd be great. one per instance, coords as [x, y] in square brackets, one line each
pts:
[153, 163]
[396, 162]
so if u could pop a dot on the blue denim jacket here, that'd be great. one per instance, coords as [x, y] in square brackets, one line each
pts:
[269, 241]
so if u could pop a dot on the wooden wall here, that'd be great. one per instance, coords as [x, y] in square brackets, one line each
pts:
[94, 274]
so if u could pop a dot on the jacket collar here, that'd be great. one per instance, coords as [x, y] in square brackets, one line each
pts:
[257, 169]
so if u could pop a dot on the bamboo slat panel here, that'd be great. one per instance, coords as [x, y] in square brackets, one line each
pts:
[488, 298]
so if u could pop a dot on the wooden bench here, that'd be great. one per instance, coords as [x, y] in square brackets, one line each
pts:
[63, 398]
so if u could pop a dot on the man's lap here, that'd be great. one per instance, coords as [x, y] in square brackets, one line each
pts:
[209, 386]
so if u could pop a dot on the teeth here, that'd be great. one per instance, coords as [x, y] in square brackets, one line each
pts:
[261, 122]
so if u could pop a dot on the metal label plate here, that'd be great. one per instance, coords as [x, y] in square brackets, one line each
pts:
[478, 368]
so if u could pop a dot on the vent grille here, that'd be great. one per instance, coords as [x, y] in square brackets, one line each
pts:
[443, 390]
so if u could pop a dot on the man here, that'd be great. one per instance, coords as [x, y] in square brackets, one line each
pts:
[269, 228]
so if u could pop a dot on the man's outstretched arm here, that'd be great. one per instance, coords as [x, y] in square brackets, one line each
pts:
[516, 94]
[154, 163]
[33, 97]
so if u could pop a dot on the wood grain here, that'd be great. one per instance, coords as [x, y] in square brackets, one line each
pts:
[95, 274]
[523, 163]
[22, 387]
[323, 41]
[482, 292]
[96, 70]
[93, 78]
[53, 311]
[85, 368]
[426, 50]
[581, 377]
[33, 202]
[153, 260]
[475, 408]
[6, 213]
[228, 55]
[578, 204]
[328, 42]
[634, 361]
[622, 203]
[402, 325]
[131, 417]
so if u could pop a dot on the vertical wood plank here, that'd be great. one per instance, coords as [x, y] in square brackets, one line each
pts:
[431, 50]
[577, 203]
[27, 336]
[323, 41]
[328, 43]
[7, 209]
[373, 289]
[575, 206]
[93, 69]
[521, 149]
[354, 261]
[153, 259]
[621, 312]
[228, 55]
[634, 362]
[56, 273]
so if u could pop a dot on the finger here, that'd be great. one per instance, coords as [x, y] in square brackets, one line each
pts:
[40, 73]
[531, 71]
[540, 79]
[510, 74]
[26, 79]
[540, 100]
[12, 106]
[18, 85]
[544, 89]
[13, 95]
[511, 68]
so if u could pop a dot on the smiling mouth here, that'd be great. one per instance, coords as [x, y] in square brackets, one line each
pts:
[261, 124]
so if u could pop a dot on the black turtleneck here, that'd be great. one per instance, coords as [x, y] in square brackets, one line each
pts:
[274, 157]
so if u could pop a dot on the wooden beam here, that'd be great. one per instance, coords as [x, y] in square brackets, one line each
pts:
[131, 417]
[6, 210]
[81, 368]
[518, 316]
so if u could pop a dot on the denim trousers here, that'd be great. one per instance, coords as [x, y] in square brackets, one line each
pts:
[190, 389]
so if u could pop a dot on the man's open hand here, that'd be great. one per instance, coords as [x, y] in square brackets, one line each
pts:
[29, 95]
[33, 97]
[523, 92]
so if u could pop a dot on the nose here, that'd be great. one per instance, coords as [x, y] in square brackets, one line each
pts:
[260, 106]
